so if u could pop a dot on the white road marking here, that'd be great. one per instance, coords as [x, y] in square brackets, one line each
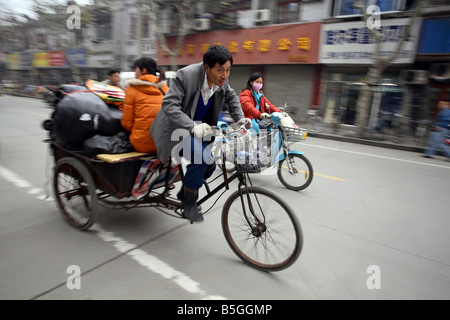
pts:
[154, 264]
[15, 179]
[146, 260]
[19, 182]
[378, 156]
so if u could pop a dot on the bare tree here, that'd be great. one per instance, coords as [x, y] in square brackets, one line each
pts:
[380, 63]
[184, 10]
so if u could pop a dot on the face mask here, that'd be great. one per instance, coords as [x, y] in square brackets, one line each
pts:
[257, 86]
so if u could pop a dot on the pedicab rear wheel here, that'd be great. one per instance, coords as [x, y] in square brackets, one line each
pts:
[75, 193]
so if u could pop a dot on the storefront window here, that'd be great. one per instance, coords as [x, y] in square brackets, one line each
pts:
[386, 106]
[350, 103]
[341, 102]
[342, 97]
[346, 7]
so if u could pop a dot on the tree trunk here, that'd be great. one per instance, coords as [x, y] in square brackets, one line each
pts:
[363, 106]
[380, 64]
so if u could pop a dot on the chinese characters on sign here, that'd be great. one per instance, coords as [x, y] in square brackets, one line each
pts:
[285, 44]
[349, 42]
[261, 45]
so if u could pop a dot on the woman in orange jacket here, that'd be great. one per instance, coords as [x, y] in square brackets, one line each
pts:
[143, 98]
[253, 102]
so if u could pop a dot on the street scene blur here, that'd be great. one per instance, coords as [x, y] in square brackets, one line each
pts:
[323, 53]
[359, 192]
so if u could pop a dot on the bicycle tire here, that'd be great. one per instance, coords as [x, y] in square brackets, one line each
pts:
[256, 246]
[315, 124]
[303, 172]
[75, 193]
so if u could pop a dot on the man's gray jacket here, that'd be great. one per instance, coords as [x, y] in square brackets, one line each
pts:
[179, 105]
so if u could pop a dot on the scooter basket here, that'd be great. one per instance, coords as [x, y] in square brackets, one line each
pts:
[291, 134]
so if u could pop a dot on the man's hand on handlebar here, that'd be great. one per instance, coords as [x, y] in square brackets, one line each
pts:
[245, 122]
[201, 130]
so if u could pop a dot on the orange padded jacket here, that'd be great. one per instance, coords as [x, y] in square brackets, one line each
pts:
[143, 99]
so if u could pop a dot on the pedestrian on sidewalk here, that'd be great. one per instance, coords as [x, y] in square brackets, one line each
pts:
[438, 134]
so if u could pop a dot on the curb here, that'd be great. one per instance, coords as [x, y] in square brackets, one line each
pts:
[374, 143]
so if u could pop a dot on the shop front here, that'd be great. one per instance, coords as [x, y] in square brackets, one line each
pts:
[348, 51]
[287, 56]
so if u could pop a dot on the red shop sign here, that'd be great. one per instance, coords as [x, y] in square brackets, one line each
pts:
[56, 59]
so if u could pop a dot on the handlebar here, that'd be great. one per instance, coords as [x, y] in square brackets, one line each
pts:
[231, 131]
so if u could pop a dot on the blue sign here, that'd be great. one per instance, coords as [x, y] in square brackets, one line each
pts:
[76, 56]
[435, 37]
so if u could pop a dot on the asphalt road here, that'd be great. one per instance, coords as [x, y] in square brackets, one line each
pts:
[375, 223]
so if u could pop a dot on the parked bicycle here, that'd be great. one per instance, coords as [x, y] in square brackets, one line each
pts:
[314, 121]
[398, 128]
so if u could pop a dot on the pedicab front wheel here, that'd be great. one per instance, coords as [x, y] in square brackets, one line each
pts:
[261, 229]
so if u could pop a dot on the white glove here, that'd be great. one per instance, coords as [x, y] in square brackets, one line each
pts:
[245, 121]
[201, 130]
[264, 115]
[285, 114]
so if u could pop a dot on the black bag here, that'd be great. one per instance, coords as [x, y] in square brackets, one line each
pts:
[97, 144]
[82, 115]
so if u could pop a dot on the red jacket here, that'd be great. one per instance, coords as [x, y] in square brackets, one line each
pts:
[248, 104]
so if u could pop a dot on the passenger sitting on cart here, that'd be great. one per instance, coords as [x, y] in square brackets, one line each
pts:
[143, 98]
[192, 105]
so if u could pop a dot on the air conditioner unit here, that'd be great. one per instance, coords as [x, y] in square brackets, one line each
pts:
[202, 24]
[262, 15]
[440, 71]
[414, 76]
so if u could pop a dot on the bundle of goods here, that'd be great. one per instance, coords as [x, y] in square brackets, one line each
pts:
[82, 120]
[110, 94]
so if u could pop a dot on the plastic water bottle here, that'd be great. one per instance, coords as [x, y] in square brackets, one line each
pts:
[240, 157]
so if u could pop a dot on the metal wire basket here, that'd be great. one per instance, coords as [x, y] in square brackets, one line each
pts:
[250, 153]
[291, 134]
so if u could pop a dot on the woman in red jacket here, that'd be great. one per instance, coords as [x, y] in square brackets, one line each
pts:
[253, 102]
[143, 99]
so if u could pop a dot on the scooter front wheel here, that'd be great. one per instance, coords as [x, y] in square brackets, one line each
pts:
[295, 172]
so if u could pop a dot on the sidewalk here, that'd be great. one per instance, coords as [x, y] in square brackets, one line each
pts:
[348, 134]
